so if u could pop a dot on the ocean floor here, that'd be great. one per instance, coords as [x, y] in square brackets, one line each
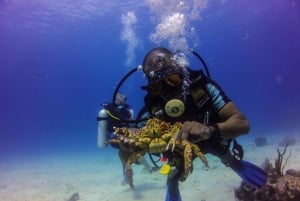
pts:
[97, 176]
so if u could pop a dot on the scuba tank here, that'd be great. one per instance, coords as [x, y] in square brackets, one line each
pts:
[102, 128]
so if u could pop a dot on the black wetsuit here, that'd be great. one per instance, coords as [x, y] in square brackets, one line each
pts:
[205, 100]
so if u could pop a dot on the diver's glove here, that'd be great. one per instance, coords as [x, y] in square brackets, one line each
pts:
[195, 131]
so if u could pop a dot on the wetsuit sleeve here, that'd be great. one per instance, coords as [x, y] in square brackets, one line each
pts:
[219, 98]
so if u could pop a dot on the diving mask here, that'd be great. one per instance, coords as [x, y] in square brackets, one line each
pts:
[159, 75]
[171, 76]
[173, 80]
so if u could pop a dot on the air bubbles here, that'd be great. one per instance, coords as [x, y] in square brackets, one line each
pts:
[174, 18]
[129, 36]
[172, 28]
[181, 59]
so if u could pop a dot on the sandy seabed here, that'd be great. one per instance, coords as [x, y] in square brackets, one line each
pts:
[98, 176]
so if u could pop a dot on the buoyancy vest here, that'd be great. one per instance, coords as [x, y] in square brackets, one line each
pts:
[198, 104]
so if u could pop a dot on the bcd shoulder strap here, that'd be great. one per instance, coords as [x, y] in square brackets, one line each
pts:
[199, 96]
[198, 93]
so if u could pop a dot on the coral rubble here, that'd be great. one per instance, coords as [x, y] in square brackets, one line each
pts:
[279, 187]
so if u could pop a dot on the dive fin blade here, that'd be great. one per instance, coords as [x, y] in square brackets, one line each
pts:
[173, 193]
[250, 173]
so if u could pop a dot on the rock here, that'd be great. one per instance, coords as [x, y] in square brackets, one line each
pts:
[295, 173]
[288, 140]
[74, 197]
[260, 141]
[277, 188]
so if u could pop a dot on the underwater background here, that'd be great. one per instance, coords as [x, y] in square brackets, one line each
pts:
[60, 60]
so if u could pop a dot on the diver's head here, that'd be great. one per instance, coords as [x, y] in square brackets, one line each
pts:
[161, 65]
[156, 59]
[120, 99]
[168, 78]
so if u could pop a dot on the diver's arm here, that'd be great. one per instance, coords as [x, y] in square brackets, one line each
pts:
[232, 122]
[102, 129]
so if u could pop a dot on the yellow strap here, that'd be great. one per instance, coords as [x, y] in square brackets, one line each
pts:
[111, 115]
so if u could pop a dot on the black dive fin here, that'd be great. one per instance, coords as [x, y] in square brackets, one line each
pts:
[250, 173]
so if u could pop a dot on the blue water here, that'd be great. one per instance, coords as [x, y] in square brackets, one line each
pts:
[61, 59]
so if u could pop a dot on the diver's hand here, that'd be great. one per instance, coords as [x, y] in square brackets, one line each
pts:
[195, 131]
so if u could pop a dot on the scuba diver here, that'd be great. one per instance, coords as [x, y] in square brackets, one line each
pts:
[210, 119]
[117, 114]
[176, 93]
